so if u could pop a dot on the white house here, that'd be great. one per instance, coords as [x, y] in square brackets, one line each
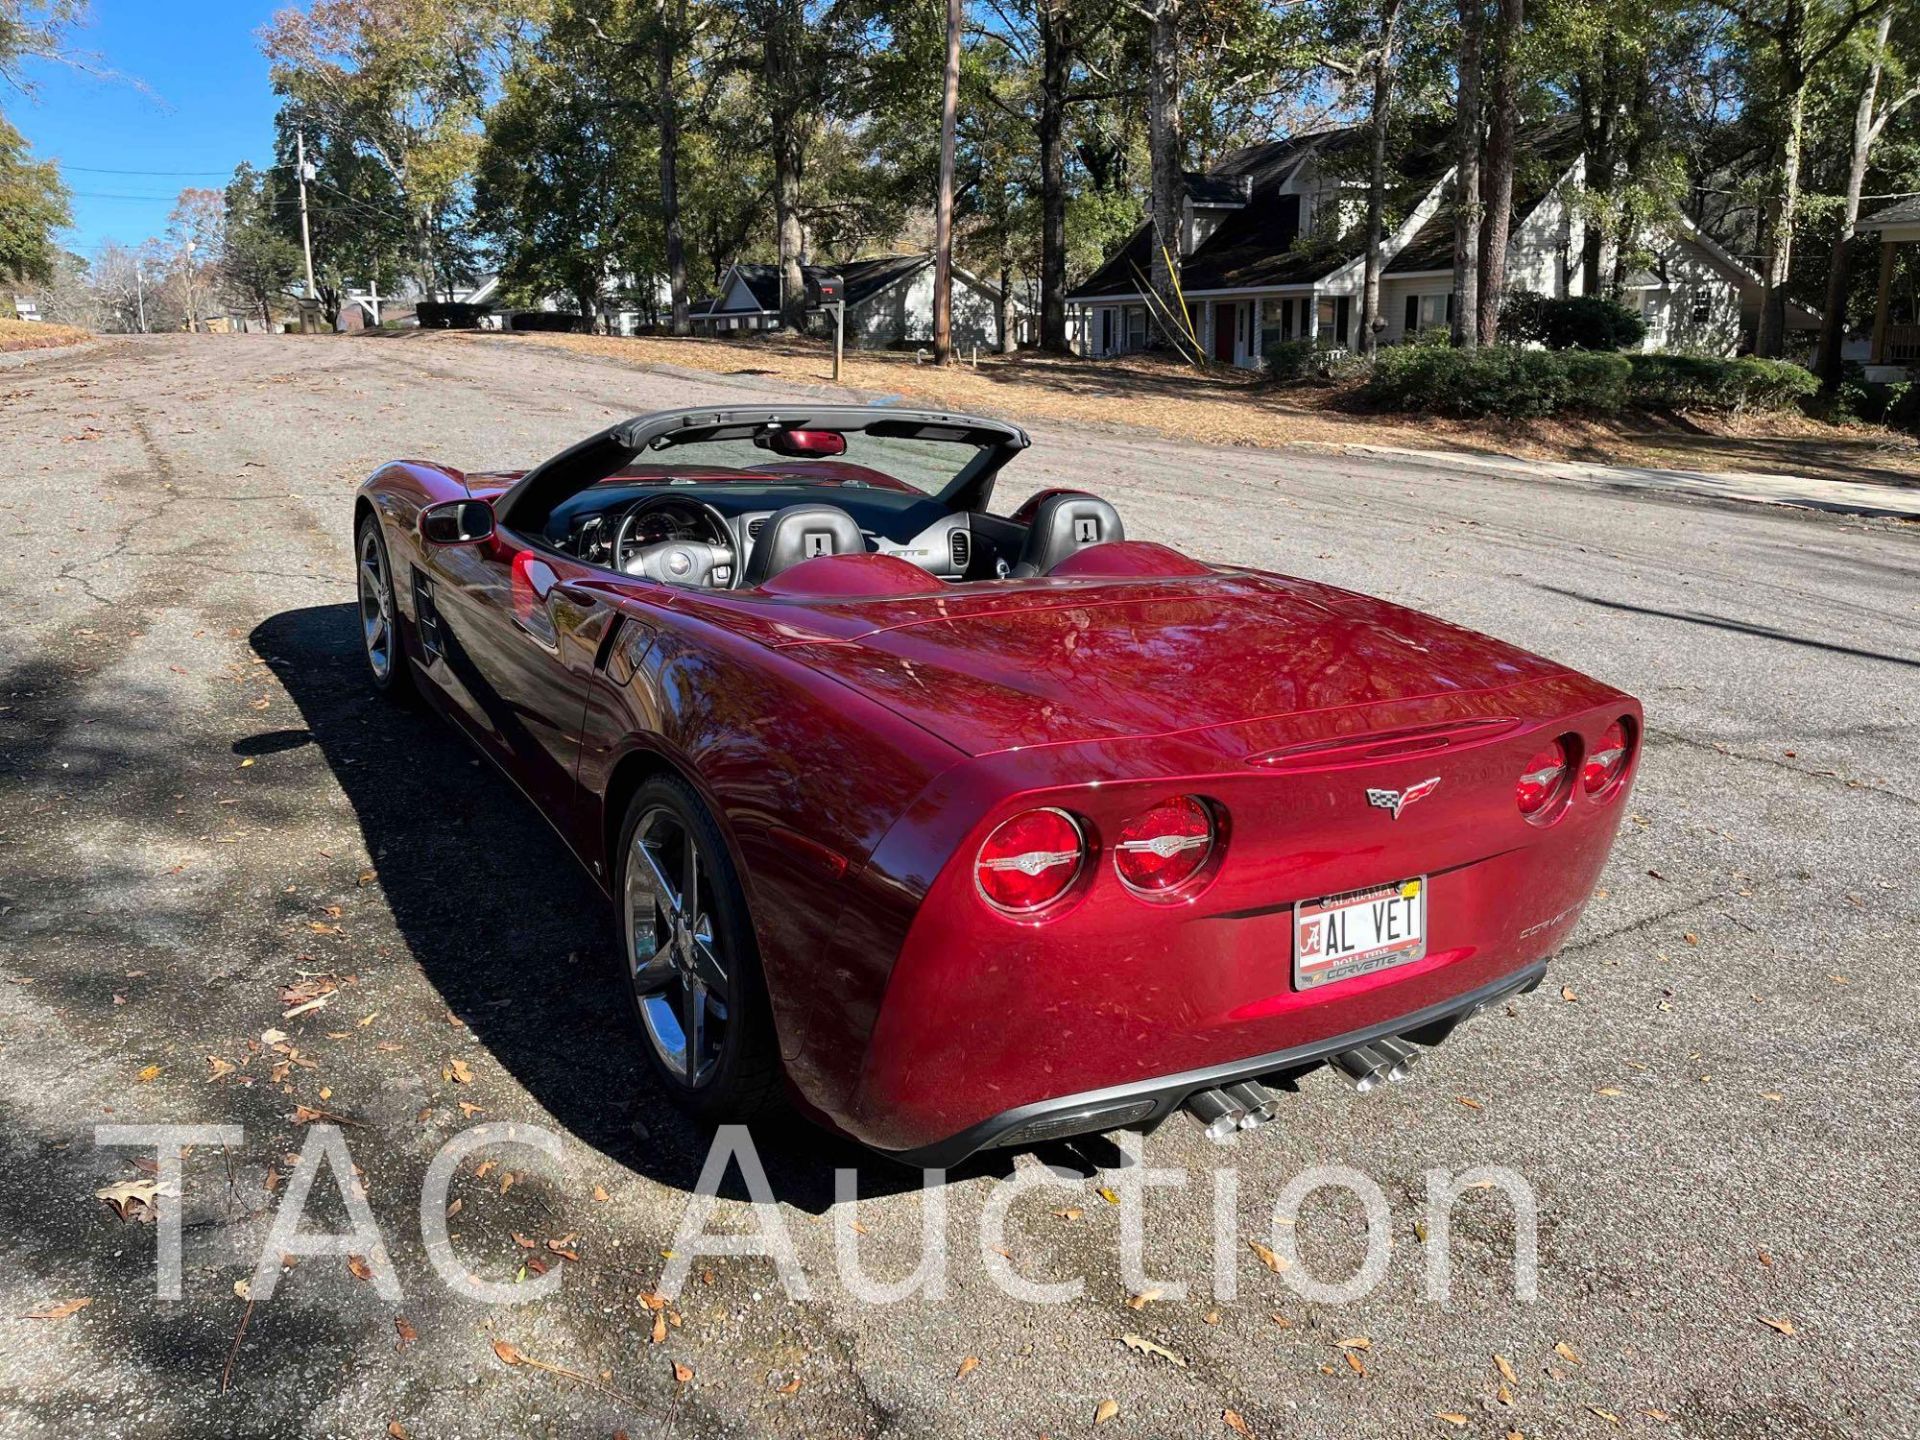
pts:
[1273, 242]
[889, 303]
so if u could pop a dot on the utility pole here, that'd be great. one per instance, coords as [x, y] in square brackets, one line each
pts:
[140, 294]
[943, 204]
[306, 238]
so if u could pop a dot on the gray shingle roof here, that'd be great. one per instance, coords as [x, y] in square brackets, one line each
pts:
[1905, 212]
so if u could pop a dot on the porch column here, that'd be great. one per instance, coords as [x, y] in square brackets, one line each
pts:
[1313, 316]
[1877, 355]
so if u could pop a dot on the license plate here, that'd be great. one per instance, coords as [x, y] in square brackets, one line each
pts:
[1357, 933]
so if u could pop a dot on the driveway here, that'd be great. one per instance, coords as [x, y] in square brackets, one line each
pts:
[212, 832]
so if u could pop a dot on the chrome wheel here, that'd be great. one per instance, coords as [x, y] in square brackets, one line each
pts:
[674, 961]
[376, 603]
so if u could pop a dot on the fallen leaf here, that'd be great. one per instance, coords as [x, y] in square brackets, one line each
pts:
[1354, 1363]
[1268, 1258]
[508, 1352]
[1148, 1347]
[1471, 1104]
[318, 1002]
[1105, 1192]
[1609, 1090]
[967, 1366]
[682, 1373]
[60, 1311]
[216, 1067]
[1783, 1325]
[600, 1194]
[1505, 1367]
[1105, 1411]
[1450, 1417]
[792, 1387]
[1144, 1298]
[147, 1074]
[1358, 1342]
[406, 1333]
[1233, 1420]
[358, 1265]
[130, 1198]
[1606, 1415]
[659, 1333]
[1071, 1212]
[1568, 994]
[460, 1072]
[396, 1430]
[1567, 1352]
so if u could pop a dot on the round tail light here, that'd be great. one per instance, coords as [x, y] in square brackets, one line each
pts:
[1030, 861]
[1161, 849]
[1543, 779]
[1607, 761]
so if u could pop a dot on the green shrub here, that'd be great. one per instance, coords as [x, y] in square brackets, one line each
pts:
[1705, 382]
[1580, 322]
[1597, 380]
[1500, 380]
[1292, 361]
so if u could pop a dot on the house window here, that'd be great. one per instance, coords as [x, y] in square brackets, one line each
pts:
[1433, 311]
[1276, 323]
[1136, 327]
[1702, 310]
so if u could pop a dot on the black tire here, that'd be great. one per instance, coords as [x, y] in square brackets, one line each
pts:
[738, 1078]
[394, 677]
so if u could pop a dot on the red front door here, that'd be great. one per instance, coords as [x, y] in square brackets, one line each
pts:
[1224, 318]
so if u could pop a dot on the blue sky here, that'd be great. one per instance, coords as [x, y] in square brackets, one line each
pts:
[202, 104]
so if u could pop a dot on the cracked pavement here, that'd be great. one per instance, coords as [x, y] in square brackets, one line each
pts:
[205, 805]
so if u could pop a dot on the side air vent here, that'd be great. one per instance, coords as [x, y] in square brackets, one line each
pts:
[755, 526]
[960, 546]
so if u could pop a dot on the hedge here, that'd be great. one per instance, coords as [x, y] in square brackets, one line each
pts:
[1579, 322]
[1516, 383]
[1704, 382]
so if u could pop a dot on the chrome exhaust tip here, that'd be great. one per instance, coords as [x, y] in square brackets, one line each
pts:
[1364, 1066]
[1217, 1112]
[1400, 1055]
[1260, 1103]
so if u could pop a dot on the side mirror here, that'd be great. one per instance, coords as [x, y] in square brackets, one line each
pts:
[456, 522]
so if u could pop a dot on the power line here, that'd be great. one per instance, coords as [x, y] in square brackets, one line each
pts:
[96, 170]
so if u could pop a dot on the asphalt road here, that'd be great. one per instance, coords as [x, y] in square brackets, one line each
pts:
[202, 805]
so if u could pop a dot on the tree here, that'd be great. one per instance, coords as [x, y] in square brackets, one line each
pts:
[1496, 185]
[1168, 166]
[1793, 38]
[257, 262]
[1870, 120]
[1380, 65]
[33, 206]
[35, 30]
[943, 201]
[190, 254]
[403, 82]
[1466, 180]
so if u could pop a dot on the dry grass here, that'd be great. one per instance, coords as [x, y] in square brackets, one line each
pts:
[37, 335]
[1236, 407]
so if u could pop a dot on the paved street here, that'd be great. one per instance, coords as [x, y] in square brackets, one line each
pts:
[1713, 1098]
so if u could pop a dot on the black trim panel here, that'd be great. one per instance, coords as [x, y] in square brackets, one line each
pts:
[1169, 1092]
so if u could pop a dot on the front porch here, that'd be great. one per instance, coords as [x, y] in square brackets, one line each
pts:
[1893, 350]
[1232, 329]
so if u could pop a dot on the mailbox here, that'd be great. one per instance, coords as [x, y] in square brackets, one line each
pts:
[824, 287]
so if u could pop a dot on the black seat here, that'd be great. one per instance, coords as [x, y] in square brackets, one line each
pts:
[798, 533]
[1064, 524]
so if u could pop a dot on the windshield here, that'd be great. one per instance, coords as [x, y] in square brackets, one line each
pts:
[919, 464]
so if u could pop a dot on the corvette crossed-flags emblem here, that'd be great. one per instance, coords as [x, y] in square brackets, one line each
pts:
[1398, 800]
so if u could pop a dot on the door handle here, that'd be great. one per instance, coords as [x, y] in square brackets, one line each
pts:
[579, 594]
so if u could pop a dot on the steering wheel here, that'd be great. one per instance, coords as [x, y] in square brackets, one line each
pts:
[679, 558]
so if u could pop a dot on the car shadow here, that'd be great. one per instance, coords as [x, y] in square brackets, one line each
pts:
[515, 938]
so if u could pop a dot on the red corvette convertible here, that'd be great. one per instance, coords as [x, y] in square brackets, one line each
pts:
[966, 829]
